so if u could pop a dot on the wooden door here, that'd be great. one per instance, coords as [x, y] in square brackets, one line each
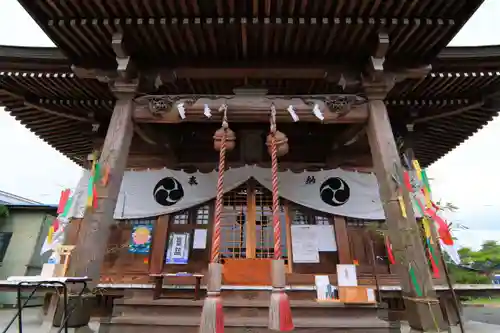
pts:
[247, 235]
[187, 222]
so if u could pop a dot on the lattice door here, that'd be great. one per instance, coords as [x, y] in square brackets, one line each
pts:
[264, 224]
[234, 218]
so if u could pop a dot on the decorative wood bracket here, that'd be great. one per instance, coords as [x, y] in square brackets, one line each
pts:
[340, 109]
[376, 62]
[126, 67]
[160, 105]
[340, 105]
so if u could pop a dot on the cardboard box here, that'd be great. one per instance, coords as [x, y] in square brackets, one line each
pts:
[356, 295]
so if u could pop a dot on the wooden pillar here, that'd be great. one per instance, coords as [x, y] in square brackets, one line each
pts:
[91, 245]
[423, 311]
[288, 226]
[251, 228]
[342, 238]
[159, 245]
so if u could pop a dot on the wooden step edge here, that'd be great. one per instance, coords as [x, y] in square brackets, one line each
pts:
[241, 303]
[366, 323]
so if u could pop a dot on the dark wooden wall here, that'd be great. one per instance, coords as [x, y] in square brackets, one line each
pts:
[121, 266]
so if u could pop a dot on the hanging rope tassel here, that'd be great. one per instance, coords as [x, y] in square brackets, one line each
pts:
[212, 316]
[280, 313]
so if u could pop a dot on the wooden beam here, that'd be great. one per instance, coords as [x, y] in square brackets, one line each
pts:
[345, 77]
[288, 233]
[403, 231]
[342, 158]
[95, 230]
[162, 141]
[246, 109]
[450, 113]
[348, 136]
[250, 73]
[159, 245]
[382, 45]
[342, 238]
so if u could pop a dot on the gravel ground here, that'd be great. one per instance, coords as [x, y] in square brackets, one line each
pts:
[484, 315]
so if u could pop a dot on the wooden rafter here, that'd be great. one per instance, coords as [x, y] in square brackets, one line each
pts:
[450, 113]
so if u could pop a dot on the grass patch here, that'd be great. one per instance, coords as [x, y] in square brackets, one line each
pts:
[482, 300]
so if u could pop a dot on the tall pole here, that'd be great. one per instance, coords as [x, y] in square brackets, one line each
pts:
[456, 303]
[422, 307]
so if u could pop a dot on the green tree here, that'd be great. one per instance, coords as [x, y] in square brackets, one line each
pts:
[4, 211]
[486, 260]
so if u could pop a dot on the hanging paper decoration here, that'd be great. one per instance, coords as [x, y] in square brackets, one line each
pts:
[417, 168]
[425, 180]
[63, 200]
[433, 259]
[140, 240]
[402, 206]
[390, 255]
[51, 232]
[55, 235]
[407, 181]
[95, 175]
[414, 281]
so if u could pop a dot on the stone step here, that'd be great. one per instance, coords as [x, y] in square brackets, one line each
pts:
[232, 308]
[133, 328]
[366, 323]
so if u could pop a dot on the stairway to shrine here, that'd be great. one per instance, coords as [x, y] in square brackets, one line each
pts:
[141, 313]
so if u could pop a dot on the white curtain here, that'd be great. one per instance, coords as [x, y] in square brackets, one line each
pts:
[157, 192]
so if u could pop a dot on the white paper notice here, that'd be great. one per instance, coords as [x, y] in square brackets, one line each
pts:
[346, 276]
[326, 238]
[200, 239]
[371, 295]
[322, 291]
[304, 244]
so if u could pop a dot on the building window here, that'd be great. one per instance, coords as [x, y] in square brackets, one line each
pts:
[308, 217]
[181, 217]
[4, 243]
[202, 215]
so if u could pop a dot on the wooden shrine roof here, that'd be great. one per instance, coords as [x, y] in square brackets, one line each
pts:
[171, 32]
[458, 97]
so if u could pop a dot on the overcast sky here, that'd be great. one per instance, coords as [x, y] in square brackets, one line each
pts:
[468, 176]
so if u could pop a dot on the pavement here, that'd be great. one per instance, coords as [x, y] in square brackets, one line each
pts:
[478, 320]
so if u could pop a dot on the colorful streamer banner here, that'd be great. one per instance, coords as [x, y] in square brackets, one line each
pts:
[390, 255]
[414, 282]
[433, 259]
[55, 235]
[95, 176]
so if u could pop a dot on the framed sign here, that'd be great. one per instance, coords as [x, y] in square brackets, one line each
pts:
[178, 248]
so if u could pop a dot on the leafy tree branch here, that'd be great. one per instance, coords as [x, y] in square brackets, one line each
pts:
[4, 211]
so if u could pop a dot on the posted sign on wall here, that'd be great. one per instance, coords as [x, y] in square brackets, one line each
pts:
[178, 248]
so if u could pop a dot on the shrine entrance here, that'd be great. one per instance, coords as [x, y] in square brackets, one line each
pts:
[247, 245]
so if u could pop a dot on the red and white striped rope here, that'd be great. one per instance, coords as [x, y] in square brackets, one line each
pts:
[219, 201]
[276, 212]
